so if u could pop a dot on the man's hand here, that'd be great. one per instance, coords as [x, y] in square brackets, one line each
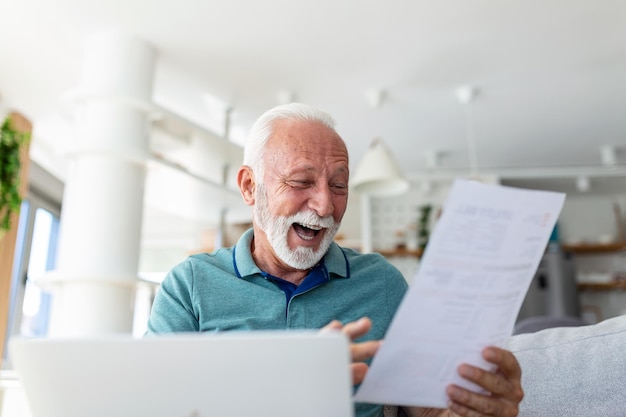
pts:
[358, 351]
[504, 386]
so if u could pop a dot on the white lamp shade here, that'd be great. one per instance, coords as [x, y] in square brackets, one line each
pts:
[377, 174]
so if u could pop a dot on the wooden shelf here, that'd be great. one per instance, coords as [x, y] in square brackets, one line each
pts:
[400, 252]
[602, 286]
[584, 248]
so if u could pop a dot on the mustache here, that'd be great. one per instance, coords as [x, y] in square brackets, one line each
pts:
[311, 218]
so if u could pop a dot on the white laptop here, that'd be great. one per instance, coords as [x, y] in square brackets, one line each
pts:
[231, 374]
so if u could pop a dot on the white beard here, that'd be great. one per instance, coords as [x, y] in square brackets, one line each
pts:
[277, 228]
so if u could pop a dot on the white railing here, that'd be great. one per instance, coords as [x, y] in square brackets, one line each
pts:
[13, 401]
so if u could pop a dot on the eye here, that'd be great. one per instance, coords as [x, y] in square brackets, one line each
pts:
[339, 188]
[300, 183]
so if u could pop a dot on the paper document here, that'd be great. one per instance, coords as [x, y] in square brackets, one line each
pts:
[466, 295]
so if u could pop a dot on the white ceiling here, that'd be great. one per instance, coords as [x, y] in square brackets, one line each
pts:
[551, 74]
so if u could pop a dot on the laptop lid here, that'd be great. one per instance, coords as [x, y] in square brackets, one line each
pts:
[286, 373]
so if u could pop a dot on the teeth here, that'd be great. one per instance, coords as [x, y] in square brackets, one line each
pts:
[304, 237]
[310, 226]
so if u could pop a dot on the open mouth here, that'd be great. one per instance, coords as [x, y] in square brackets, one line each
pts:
[306, 232]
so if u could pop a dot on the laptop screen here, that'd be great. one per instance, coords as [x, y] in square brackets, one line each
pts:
[273, 374]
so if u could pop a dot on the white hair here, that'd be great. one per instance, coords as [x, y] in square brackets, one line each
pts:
[263, 128]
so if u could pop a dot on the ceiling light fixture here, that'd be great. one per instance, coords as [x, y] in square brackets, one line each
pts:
[467, 95]
[375, 98]
[378, 175]
[607, 153]
[286, 97]
[583, 184]
[433, 159]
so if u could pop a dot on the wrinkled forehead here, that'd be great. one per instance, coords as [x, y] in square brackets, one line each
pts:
[292, 135]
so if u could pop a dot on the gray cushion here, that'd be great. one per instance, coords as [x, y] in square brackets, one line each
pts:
[534, 324]
[574, 371]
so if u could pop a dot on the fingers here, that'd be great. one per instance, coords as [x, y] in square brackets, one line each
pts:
[365, 350]
[505, 360]
[332, 326]
[507, 381]
[470, 404]
[353, 330]
[358, 372]
[359, 352]
[503, 385]
[358, 328]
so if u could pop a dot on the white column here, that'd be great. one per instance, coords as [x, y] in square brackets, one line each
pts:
[99, 243]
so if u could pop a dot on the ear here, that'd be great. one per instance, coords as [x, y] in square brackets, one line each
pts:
[247, 186]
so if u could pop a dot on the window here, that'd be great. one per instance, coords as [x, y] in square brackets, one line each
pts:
[36, 303]
[35, 253]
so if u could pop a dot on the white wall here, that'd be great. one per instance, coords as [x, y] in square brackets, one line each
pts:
[590, 218]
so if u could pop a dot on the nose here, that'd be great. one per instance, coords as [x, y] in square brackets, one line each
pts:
[321, 201]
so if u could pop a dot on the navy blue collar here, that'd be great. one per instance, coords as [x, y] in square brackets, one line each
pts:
[316, 277]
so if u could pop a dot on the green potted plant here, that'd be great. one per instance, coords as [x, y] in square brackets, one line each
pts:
[423, 225]
[11, 141]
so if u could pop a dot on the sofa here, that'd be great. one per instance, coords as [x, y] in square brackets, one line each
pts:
[573, 371]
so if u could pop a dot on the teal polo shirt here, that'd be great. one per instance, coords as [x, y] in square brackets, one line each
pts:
[226, 291]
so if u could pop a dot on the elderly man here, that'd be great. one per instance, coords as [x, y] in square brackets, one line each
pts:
[287, 272]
